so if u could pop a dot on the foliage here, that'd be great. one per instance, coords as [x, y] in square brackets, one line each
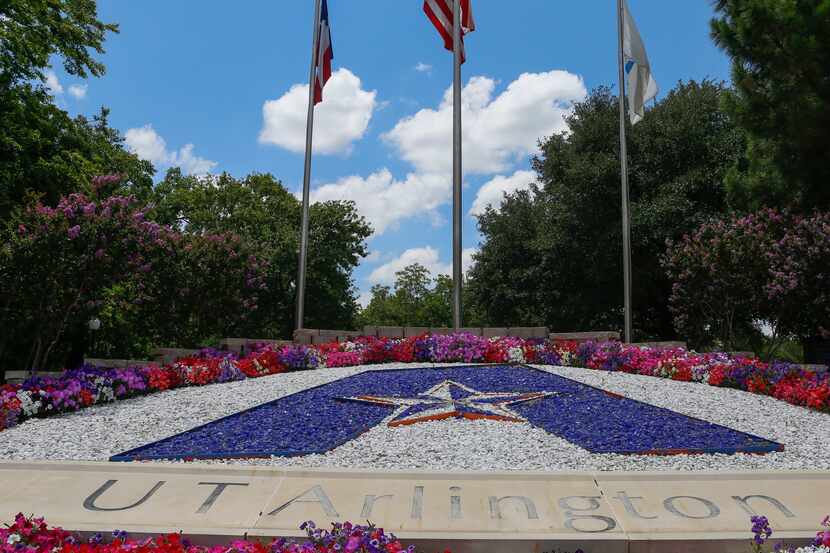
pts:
[56, 264]
[732, 272]
[266, 217]
[44, 152]
[553, 255]
[417, 300]
[60, 267]
[780, 52]
[32, 31]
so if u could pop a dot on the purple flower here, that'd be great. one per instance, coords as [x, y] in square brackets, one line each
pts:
[352, 544]
[73, 232]
[761, 529]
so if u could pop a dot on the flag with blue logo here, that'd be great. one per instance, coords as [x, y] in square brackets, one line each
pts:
[641, 84]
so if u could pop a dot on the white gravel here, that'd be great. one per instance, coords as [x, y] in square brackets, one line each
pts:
[99, 432]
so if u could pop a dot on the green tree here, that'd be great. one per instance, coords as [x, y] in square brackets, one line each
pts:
[780, 53]
[417, 300]
[553, 255]
[267, 218]
[46, 153]
[32, 31]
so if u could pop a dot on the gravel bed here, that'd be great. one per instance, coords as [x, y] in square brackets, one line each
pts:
[97, 433]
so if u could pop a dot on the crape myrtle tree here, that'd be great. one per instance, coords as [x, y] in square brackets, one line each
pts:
[734, 272]
[266, 216]
[87, 257]
[552, 255]
[780, 52]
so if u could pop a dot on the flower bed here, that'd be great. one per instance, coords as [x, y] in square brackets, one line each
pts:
[33, 535]
[45, 396]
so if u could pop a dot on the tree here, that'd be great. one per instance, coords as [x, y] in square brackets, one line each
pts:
[43, 152]
[267, 218]
[780, 53]
[553, 255]
[47, 154]
[85, 258]
[417, 300]
[735, 271]
[32, 31]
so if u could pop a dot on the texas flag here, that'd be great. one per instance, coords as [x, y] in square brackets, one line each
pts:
[324, 54]
[440, 13]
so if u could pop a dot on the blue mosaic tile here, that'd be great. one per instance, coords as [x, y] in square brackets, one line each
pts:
[319, 419]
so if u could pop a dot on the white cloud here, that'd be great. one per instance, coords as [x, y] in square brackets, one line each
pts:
[78, 91]
[426, 256]
[385, 201]
[340, 120]
[492, 192]
[147, 144]
[467, 258]
[53, 84]
[373, 257]
[498, 130]
[363, 299]
[422, 67]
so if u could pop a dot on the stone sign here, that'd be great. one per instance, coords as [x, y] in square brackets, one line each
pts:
[464, 511]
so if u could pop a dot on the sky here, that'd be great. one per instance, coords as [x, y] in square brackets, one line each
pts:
[215, 86]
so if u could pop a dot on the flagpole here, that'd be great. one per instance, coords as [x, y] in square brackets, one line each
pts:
[457, 272]
[626, 222]
[309, 132]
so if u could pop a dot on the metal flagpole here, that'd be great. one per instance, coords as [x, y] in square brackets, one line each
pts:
[626, 223]
[457, 272]
[309, 132]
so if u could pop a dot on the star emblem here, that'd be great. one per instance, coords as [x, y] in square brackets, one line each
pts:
[449, 399]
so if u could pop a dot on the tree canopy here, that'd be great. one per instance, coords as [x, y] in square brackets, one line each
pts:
[32, 31]
[267, 217]
[553, 255]
[780, 52]
[417, 299]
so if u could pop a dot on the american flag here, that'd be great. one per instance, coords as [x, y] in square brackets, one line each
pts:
[324, 54]
[440, 13]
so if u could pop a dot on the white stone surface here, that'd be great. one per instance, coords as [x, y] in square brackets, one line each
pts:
[99, 432]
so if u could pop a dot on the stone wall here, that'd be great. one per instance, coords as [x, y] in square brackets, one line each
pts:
[314, 336]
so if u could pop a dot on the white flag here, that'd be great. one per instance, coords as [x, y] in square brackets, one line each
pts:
[641, 85]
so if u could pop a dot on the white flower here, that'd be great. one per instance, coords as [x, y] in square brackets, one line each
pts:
[13, 539]
[28, 405]
[516, 355]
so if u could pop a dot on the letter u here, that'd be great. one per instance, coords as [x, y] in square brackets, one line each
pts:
[89, 502]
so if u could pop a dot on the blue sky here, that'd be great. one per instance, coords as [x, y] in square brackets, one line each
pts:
[208, 86]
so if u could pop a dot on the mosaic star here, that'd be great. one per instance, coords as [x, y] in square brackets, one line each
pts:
[449, 399]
